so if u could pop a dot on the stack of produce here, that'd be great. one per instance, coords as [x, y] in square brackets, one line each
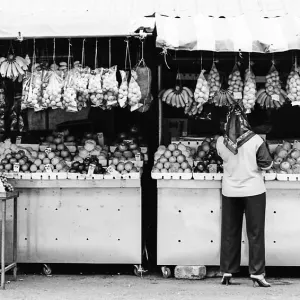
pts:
[90, 149]
[201, 93]
[110, 87]
[41, 159]
[293, 87]
[207, 159]
[127, 151]
[124, 167]
[214, 82]
[83, 167]
[249, 94]
[172, 159]
[272, 96]
[9, 159]
[287, 158]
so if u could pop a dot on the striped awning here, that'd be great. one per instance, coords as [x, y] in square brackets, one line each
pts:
[247, 33]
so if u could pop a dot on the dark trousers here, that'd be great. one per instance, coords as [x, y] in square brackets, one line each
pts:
[233, 209]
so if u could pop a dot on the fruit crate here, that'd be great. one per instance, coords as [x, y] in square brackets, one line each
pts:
[207, 176]
[128, 176]
[76, 176]
[288, 177]
[168, 176]
[95, 177]
[270, 176]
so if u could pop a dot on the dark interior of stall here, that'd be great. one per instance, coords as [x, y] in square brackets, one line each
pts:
[278, 124]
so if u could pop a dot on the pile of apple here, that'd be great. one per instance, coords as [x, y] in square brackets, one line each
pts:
[172, 159]
[41, 159]
[287, 158]
[9, 159]
[206, 156]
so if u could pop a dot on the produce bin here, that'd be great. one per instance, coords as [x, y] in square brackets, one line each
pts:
[189, 223]
[79, 221]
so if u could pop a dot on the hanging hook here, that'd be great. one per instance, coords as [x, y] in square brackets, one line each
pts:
[164, 52]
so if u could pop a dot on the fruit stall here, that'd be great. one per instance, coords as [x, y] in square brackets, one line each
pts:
[72, 143]
[202, 73]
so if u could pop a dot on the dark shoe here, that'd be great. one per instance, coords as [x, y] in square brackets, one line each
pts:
[260, 280]
[226, 279]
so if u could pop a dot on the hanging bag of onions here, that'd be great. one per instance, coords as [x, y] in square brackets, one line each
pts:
[293, 85]
[249, 94]
[213, 80]
[235, 83]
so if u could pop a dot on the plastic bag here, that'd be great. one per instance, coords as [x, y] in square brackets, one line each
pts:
[95, 87]
[52, 94]
[70, 93]
[235, 83]
[273, 85]
[201, 93]
[293, 86]
[134, 92]
[213, 80]
[249, 95]
[123, 90]
[110, 87]
[32, 89]
[144, 80]
[81, 80]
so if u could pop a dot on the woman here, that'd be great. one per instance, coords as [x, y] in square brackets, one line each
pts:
[244, 155]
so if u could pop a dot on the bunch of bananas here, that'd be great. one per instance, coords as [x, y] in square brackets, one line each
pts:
[223, 98]
[177, 97]
[13, 66]
[265, 100]
[193, 109]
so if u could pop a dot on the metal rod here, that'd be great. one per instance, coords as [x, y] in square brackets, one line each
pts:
[160, 107]
[3, 244]
[15, 237]
[79, 36]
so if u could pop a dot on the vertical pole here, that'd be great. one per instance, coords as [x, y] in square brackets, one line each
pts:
[15, 238]
[160, 108]
[3, 244]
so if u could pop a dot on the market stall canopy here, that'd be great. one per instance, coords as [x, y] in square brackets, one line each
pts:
[239, 25]
[69, 18]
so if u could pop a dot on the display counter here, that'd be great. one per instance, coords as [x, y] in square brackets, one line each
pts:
[189, 223]
[79, 221]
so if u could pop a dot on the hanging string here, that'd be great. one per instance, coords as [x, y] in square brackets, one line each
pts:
[142, 61]
[296, 63]
[96, 54]
[127, 55]
[33, 57]
[273, 59]
[201, 60]
[54, 50]
[249, 61]
[164, 52]
[109, 53]
[82, 55]
[69, 55]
